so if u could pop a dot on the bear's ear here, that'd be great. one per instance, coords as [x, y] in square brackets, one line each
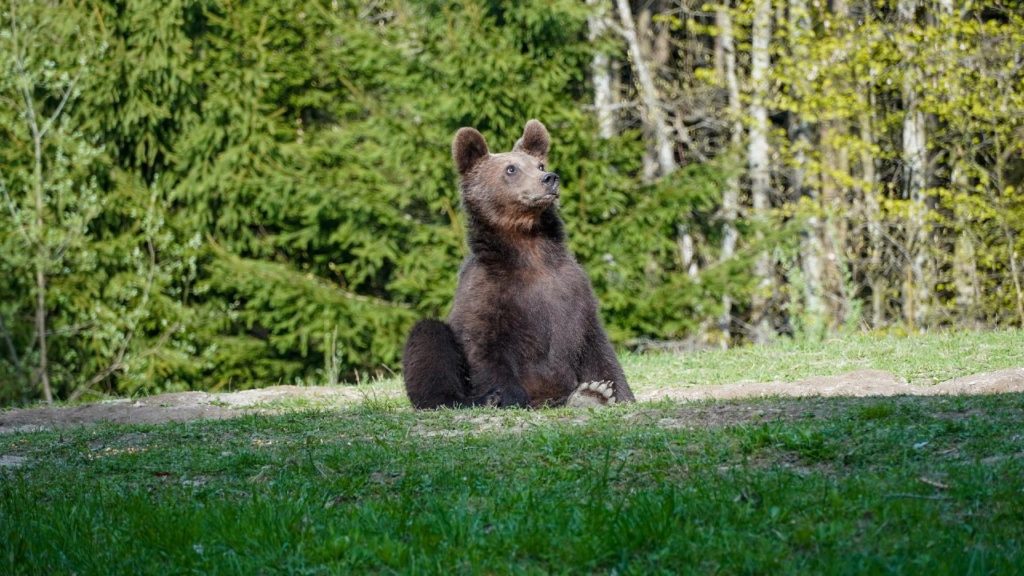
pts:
[468, 148]
[535, 140]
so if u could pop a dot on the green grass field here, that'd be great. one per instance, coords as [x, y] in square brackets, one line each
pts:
[925, 359]
[899, 485]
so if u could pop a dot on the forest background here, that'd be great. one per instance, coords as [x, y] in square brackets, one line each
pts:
[205, 194]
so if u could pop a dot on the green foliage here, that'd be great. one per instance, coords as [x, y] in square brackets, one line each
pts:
[270, 193]
[70, 215]
[240, 194]
[625, 264]
[849, 75]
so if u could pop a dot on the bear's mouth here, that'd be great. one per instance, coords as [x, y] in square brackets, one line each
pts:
[543, 199]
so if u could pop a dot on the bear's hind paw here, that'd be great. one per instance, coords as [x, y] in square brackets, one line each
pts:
[592, 395]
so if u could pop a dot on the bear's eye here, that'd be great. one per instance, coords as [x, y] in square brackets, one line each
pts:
[541, 166]
[511, 169]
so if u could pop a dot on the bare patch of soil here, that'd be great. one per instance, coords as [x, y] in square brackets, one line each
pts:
[463, 424]
[186, 406]
[699, 417]
[177, 407]
[858, 383]
[12, 461]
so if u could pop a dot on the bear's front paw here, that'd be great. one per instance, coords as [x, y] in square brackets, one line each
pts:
[492, 399]
[592, 395]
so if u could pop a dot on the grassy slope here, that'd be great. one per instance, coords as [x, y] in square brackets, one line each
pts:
[927, 359]
[906, 485]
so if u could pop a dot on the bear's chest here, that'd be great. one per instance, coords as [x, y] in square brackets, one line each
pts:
[530, 315]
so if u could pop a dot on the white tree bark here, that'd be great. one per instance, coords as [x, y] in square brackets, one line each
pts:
[757, 156]
[687, 251]
[917, 289]
[731, 194]
[872, 213]
[812, 251]
[654, 114]
[42, 253]
[967, 284]
[600, 70]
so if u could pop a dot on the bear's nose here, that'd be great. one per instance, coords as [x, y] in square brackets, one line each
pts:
[549, 179]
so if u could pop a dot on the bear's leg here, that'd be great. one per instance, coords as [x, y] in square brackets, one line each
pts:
[599, 364]
[434, 366]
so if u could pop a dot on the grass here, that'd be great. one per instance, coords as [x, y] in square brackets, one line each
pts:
[903, 485]
[919, 359]
[923, 359]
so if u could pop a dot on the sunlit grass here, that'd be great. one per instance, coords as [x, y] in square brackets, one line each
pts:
[896, 485]
[919, 359]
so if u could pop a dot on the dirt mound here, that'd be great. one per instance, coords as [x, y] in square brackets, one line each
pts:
[177, 407]
[856, 384]
[999, 382]
[185, 406]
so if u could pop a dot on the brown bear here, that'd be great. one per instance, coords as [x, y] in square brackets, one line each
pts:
[523, 330]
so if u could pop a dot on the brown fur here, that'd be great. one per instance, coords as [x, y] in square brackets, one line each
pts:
[523, 330]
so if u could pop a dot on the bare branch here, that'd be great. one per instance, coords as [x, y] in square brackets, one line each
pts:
[11, 350]
[60, 107]
[118, 362]
[654, 115]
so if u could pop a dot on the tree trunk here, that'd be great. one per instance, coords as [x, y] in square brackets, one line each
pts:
[835, 211]
[721, 16]
[965, 268]
[12, 352]
[662, 53]
[687, 252]
[999, 179]
[600, 69]
[731, 194]
[38, 234]
[872, 212]
[41, 254]
[811, 252]
[965, 271]
[917, 287]
[1011, 247]
[757, 156]
[654, 115]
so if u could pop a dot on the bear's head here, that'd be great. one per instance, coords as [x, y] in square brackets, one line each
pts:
[509, 190]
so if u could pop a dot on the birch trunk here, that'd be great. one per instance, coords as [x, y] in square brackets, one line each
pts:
[654, 114]
[834, 224]
[811, 251]
[999, 179]
[37, 129]
[600, 69]
[731, 194]
[872, 214]
[42, 257]
[916, 289]
[967, 285]
[757, 156]
[687, 252]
